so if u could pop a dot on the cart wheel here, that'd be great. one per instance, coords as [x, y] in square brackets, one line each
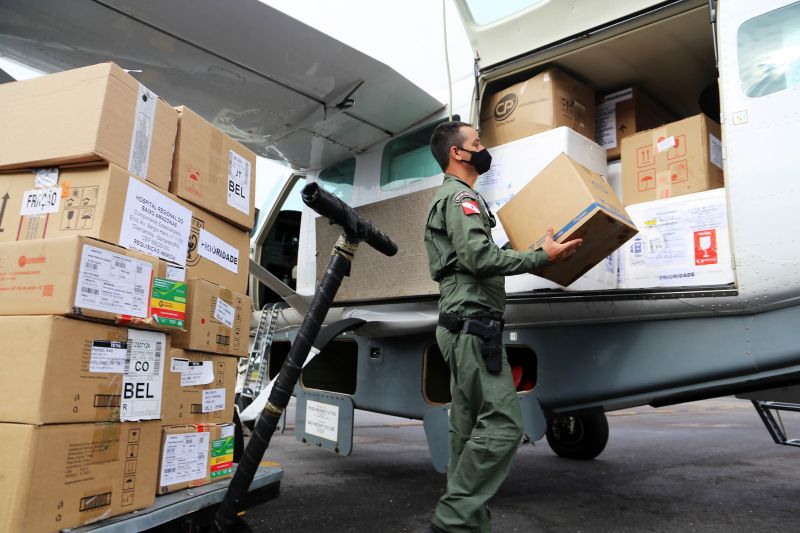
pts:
[578, 436]
[238, 437]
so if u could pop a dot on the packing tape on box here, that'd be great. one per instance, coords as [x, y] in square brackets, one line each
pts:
[663, 184]
[106, 442]
[217, 140]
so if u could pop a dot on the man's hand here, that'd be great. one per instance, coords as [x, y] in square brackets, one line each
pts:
[559, 252]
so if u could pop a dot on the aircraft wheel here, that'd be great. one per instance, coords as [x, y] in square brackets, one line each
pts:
[578, 436]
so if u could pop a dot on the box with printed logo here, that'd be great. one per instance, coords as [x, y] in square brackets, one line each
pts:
[68, 371]
[88, 278]
[87, 114]
[193, 455]
[682, 242]
[218, 252]
[682, 157]
[101, 201]
[62, 476]
[198, 388]
[576, 203]
[546, 101]
[213, 171]
[217, 320]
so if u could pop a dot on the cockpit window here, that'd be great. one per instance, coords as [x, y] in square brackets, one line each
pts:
[408, 159]
[769, 52]
[338, 179]
[484, 12]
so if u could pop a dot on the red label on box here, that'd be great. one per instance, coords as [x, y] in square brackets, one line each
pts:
[705, 247]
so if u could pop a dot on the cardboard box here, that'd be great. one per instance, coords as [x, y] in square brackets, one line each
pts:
[87, 114]
[217, 252]
[198, 388]
[87, 278]
[100, 201]
[195, 455]
[682, 241]
[213, 171]
[65, 371]
[623, 113]
[513, 164]
[68, 475]
[546, 101]
[680, 158]
[217, 320]
[577, 203]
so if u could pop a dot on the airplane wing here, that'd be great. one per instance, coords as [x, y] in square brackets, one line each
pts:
[282, 88]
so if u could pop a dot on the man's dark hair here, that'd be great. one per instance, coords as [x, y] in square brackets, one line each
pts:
[445, 135]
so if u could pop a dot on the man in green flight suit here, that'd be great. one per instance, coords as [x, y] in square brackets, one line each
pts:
[485, 418]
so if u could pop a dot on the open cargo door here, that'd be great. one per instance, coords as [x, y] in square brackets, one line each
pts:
[501, 31]
[282, 88]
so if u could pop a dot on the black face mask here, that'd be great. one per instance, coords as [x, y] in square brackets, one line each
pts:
[481, 160]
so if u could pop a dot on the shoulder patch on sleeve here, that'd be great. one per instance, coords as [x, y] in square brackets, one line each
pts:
[470, 207]
[464, 195]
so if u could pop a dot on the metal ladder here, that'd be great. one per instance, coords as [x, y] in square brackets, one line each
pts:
[256, 374]
[774, 424]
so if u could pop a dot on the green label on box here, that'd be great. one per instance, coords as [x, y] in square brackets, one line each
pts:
[221, 457]
[168, 302]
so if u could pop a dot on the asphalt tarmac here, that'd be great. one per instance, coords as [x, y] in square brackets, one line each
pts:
[702, 467]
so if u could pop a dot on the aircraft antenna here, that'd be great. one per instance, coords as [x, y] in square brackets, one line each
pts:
[447, 63]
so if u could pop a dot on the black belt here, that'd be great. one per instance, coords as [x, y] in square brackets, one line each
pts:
[484, 326]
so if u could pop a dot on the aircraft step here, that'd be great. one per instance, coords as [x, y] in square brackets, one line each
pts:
[770, 414]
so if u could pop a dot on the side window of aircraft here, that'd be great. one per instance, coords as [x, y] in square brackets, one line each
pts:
[408, 159]
[769, 52]
[280, 247]
[338, 179]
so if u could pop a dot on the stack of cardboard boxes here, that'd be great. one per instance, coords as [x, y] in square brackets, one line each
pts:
[661, 207]
[546, 172]
[124, 251]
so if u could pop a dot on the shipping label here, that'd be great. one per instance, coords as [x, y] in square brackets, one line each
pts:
[213, 400]
[176, 273]
[108, 356]
[178, 364]
[185, 458]
[197, 373]
[168, 303]
[224, 312]
[142, 380]
[40, 201]
[112, 282]
[239, 182]
[715, 147]
[322, 420]
[606, 125]
[142, 134]
[155, 224]
[218, 251]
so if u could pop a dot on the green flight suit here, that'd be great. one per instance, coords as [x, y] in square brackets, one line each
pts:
[485, 418]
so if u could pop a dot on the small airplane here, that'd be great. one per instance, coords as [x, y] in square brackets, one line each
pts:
[340, 118]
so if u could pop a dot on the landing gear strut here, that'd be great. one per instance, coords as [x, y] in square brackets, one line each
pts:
[578, 436]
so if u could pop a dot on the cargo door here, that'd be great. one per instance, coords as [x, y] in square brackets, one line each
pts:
[503, 30]
[759, 63]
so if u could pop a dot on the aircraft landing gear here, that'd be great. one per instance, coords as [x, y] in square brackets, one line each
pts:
[578, 436]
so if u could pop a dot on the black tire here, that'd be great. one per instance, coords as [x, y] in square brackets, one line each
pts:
[578, 436]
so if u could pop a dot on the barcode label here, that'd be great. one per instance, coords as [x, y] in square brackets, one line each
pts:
[113, 283]
[184, 458]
